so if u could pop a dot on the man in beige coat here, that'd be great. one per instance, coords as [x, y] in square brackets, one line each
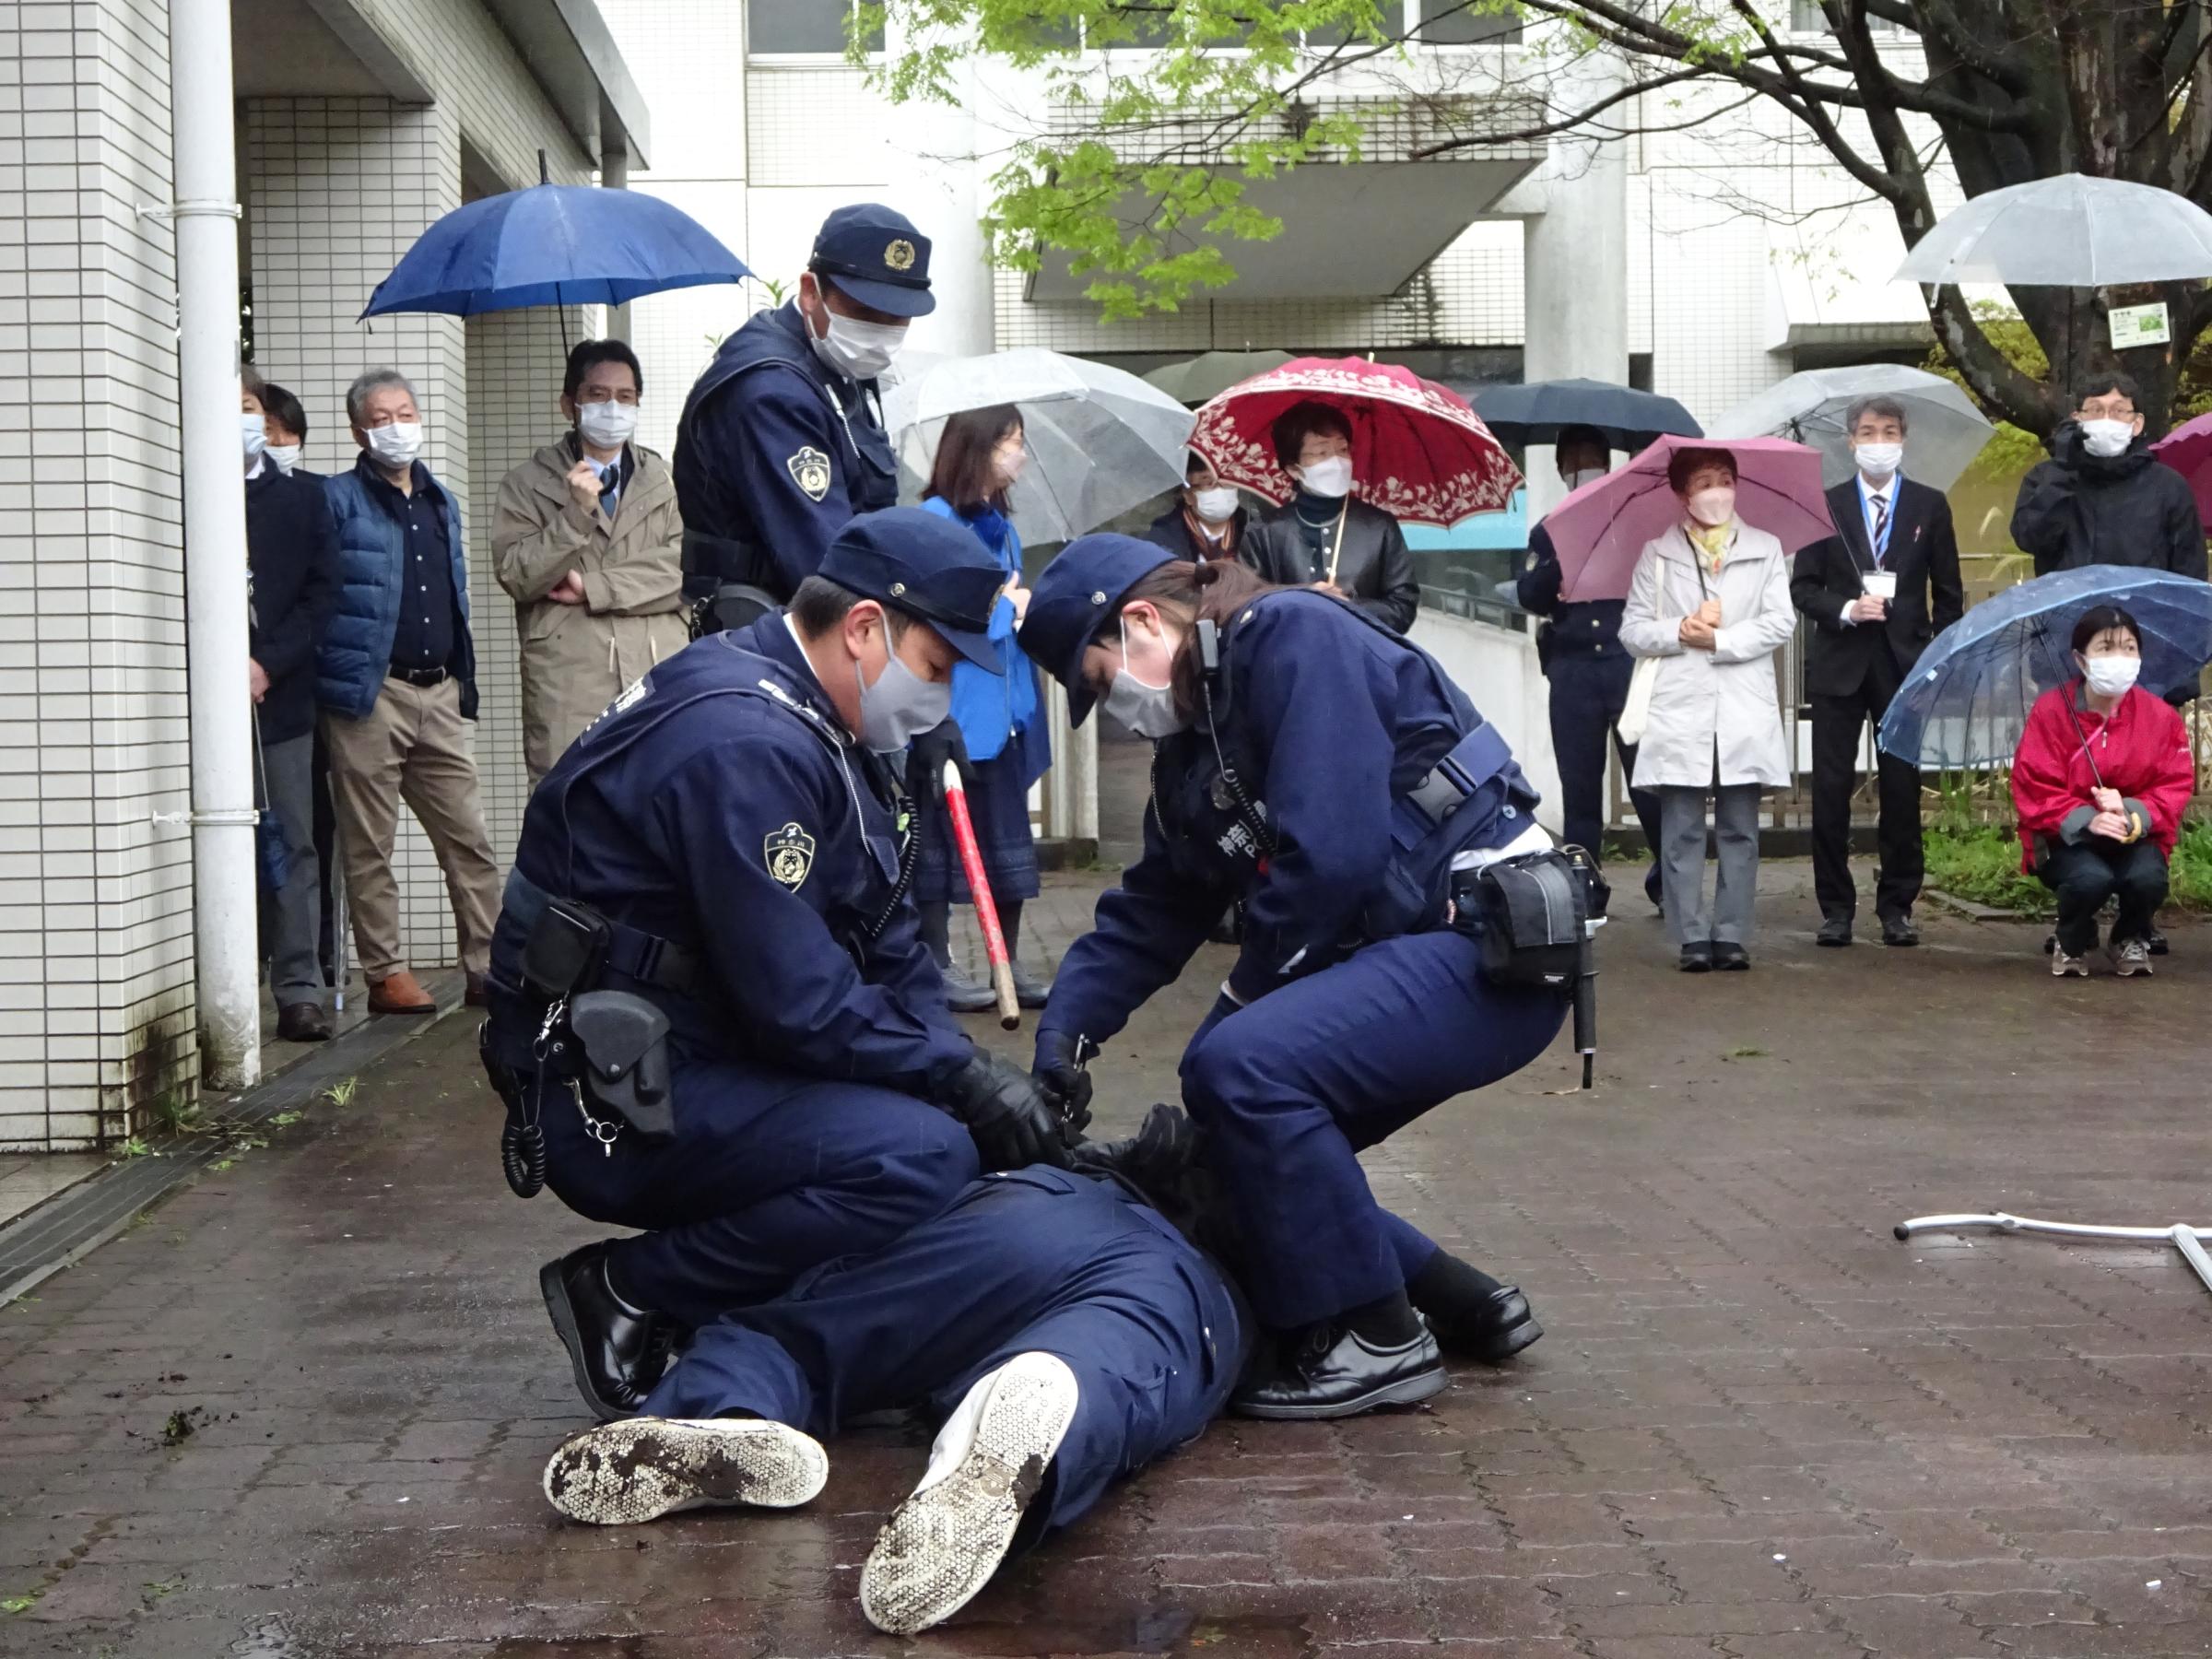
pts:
[587, 543]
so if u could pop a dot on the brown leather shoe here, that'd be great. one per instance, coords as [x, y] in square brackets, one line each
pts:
[474, 996]
[399, 993]
[304, 1022]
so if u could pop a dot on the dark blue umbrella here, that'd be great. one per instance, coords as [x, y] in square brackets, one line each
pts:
[553, 244]
[1968, 700]
[1534, 413]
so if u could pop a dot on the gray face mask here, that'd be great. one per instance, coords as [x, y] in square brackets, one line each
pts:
[1146, 710]
[900, 706]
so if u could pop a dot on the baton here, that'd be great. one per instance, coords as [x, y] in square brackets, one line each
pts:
[986, 911]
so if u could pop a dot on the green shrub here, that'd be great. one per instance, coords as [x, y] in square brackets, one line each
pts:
[1982, 863]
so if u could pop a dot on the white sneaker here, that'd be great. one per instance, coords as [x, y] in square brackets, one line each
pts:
[642, 1468]
[2132, 957]
[942, 1544]
[2067, 966]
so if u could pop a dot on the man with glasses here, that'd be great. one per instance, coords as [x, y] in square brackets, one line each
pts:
[2103, 499]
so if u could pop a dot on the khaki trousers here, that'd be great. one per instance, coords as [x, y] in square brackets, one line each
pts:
[413, 747]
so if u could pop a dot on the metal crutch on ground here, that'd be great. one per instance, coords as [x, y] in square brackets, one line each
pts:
[2188, 1240]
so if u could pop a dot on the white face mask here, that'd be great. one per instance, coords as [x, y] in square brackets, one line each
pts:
[1145, 709]
[286, 456]
[1331, 478]
[1012, 460]
[255, 430]
[1713, 507]
[397, 445]
[857, 350]
[2110, 676]
[1879, 460]
[606, 425]
[1584, 475]
[1216, 506]
[2105, 439]
[900, 705]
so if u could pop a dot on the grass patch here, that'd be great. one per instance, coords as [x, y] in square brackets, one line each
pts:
[341, 1092]
[1981, 862]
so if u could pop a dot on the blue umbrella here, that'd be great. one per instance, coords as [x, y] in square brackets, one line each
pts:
[553, 244]
[1968, 700]
[1534, 412]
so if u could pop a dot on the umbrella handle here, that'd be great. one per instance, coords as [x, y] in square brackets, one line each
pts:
[986, 909]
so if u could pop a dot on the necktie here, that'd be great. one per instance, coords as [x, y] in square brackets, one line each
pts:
[1881, 526]
[610, 486]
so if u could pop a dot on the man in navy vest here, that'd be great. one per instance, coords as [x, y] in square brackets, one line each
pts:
[781, 441]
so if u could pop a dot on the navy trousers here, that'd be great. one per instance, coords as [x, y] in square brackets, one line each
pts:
[1035, 1260]
[770, 1173]
[1587, 695]
[1291, 1087]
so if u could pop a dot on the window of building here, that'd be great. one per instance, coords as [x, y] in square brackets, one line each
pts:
[1807, 18]
[1448, 23]
[782, 28]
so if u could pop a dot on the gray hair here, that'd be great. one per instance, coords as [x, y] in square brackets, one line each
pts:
[1887, 407]
[374, 380]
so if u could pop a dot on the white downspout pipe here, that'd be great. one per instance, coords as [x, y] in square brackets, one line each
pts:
[223, 873]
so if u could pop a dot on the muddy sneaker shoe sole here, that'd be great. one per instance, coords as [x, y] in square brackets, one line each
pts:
[642, 1468]
[942, 1544]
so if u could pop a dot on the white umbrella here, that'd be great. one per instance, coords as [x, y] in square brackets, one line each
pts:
[1100, 441]
[2068, 232]
[1944, 431]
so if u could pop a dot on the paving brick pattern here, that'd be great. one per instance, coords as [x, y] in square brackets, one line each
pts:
[1759, 1426]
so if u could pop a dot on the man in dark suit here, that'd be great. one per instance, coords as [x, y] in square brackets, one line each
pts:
[1877, 592]
[1324, 538]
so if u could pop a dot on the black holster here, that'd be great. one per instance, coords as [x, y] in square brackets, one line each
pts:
[1529, 915]
[737, 582]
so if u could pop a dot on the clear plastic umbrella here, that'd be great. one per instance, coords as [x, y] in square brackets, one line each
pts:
[1100, 441]
[1944, 431]
[2068, 232]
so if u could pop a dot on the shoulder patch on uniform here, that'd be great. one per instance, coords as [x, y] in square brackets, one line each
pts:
[810, 472]
[790, 855]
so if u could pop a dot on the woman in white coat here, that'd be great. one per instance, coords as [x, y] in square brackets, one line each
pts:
[1711, 600]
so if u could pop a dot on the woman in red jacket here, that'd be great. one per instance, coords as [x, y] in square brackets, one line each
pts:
[2101, 779]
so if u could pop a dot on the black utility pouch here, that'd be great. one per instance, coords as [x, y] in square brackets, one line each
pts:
[625, 1043]
[564, 949]
[1529, 914]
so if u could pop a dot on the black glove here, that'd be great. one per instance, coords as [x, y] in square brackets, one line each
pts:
[1058, 1069]
[925, 762]
[1012, 1121]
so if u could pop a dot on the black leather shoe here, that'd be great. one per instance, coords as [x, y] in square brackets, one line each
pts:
[1834, 931]
[1899, 930]
[2154, 941]
[618, 1351]
[1503, 1329]
[1029, 990]
[1729, 957]
[304, 1022]
[962, 995]
[1696, 959]
[1332, 1372]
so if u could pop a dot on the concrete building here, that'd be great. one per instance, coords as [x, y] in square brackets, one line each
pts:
[359, 122]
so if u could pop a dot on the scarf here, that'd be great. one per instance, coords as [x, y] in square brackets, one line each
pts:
[1224, 548]
[1711, 545]
[990, 526]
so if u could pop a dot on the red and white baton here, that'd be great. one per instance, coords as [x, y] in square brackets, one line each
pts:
[986, 911]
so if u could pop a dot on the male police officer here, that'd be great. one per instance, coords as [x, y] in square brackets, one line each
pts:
[714, 871]
[781, 441]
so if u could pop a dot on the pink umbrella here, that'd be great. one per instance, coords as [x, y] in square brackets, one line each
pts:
[1599, 532]
[2188, 450]
[1419, 450]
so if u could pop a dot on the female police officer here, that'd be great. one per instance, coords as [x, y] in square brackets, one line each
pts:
[1318, 766]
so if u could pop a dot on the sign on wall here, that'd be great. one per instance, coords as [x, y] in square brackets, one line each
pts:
[2136, 325]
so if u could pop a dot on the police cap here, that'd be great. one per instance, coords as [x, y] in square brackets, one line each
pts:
[1076, 599]
[878, 257]
[927, 566]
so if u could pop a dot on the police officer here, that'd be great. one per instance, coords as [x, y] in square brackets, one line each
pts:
[781, 441]
[1580, 649]
[722, 850]
[1328, 772]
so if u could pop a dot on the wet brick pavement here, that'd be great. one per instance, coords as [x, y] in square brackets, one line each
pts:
[1759, 1426]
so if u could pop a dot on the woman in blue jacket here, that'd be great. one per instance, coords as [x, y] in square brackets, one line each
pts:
[1001, 716]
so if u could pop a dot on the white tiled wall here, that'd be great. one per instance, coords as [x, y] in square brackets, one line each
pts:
[96, 1015]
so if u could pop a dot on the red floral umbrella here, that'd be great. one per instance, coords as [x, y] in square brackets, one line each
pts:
[1419, 451]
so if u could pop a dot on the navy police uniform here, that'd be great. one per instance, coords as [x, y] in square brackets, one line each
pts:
[1589, 669]
[748, 854]
[1342, 777]
[775, 449]
[1034, 1260]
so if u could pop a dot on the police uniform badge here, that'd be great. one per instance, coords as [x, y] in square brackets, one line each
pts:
[900, 256]
[810, 472]
[790, 854]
